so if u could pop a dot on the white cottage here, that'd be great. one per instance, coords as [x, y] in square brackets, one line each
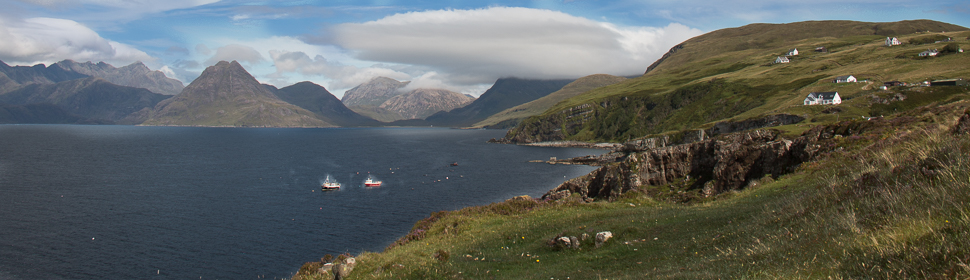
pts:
[846, 79]
[823, 98]
[782, 59]
[892, 41]
[929, 53]
[792, 52]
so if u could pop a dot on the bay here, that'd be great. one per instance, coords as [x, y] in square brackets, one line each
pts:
[129, 202]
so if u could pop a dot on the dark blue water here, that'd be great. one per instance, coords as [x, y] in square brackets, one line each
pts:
[123, 202]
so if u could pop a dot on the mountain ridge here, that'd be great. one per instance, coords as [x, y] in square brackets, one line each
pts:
[227, 95]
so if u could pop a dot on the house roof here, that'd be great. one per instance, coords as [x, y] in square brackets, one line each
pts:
[828, 95]
[843, 77]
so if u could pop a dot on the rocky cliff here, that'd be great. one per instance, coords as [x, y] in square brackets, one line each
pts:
[708, 167]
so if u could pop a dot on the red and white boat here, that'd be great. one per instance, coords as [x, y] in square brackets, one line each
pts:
[329, 185]
[371, 183]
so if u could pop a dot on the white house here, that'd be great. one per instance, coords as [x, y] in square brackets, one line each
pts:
[929, 53]
[893, 41]
[792, 52]
[782, 59]
[823, 98]
[846, 79]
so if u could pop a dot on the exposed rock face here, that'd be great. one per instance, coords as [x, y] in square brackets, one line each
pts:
[373, 93]
[134, 75]
[729, 162]
[226, 95]
[420, 103]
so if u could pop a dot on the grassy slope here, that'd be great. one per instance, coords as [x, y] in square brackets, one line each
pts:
[537, 106]
[887, 204]
[890, 204]
[758, 86]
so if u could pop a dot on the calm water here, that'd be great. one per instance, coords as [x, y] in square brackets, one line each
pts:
[123, 202]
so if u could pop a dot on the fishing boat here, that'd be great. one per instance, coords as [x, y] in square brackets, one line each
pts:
[329, 184]
[371, 183]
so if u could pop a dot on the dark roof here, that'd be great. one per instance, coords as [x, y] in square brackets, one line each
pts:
[824, 95]
[843, 77]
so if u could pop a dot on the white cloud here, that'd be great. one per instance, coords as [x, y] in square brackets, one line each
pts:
[341, 76]
[479, 46]
[48, 40]
[236, 52]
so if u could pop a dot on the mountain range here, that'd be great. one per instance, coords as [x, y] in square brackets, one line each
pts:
[226, 94]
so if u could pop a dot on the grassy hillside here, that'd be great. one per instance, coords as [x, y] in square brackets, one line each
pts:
[887, 203]
[879, 198]
[729, 74]
[535, 107]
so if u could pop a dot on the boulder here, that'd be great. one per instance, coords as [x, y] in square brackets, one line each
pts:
[602, 238]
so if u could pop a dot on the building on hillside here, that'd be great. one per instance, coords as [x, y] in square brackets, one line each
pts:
[949, 82]
[933, 52]
[782, 59]
[821, 49]
[894, 84]
[892, 41]
[845, 79]
[823, 98]
[792, 52]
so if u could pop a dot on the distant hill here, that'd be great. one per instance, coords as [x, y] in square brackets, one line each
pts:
[383, 99]
[510, 117]
[226, 94]
[505, 93]
[325, 105]
[729, 74]
[91, 98]
[423, 102]
[41, 113]
[373, 92]
[134, 75]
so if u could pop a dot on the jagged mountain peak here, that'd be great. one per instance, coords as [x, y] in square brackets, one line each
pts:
[225, 94]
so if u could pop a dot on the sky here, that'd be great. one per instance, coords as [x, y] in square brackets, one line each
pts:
[463, 46]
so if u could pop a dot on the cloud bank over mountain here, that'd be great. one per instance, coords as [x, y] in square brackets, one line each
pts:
[481, 45]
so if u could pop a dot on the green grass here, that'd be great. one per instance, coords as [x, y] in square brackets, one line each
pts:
[765, 88]
[890, 203]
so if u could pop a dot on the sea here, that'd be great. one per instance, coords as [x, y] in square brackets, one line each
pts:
[134, 202]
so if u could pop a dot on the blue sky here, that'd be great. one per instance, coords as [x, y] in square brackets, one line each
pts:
[458, 45]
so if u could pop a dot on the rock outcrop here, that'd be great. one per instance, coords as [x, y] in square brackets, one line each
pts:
[713, 166]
